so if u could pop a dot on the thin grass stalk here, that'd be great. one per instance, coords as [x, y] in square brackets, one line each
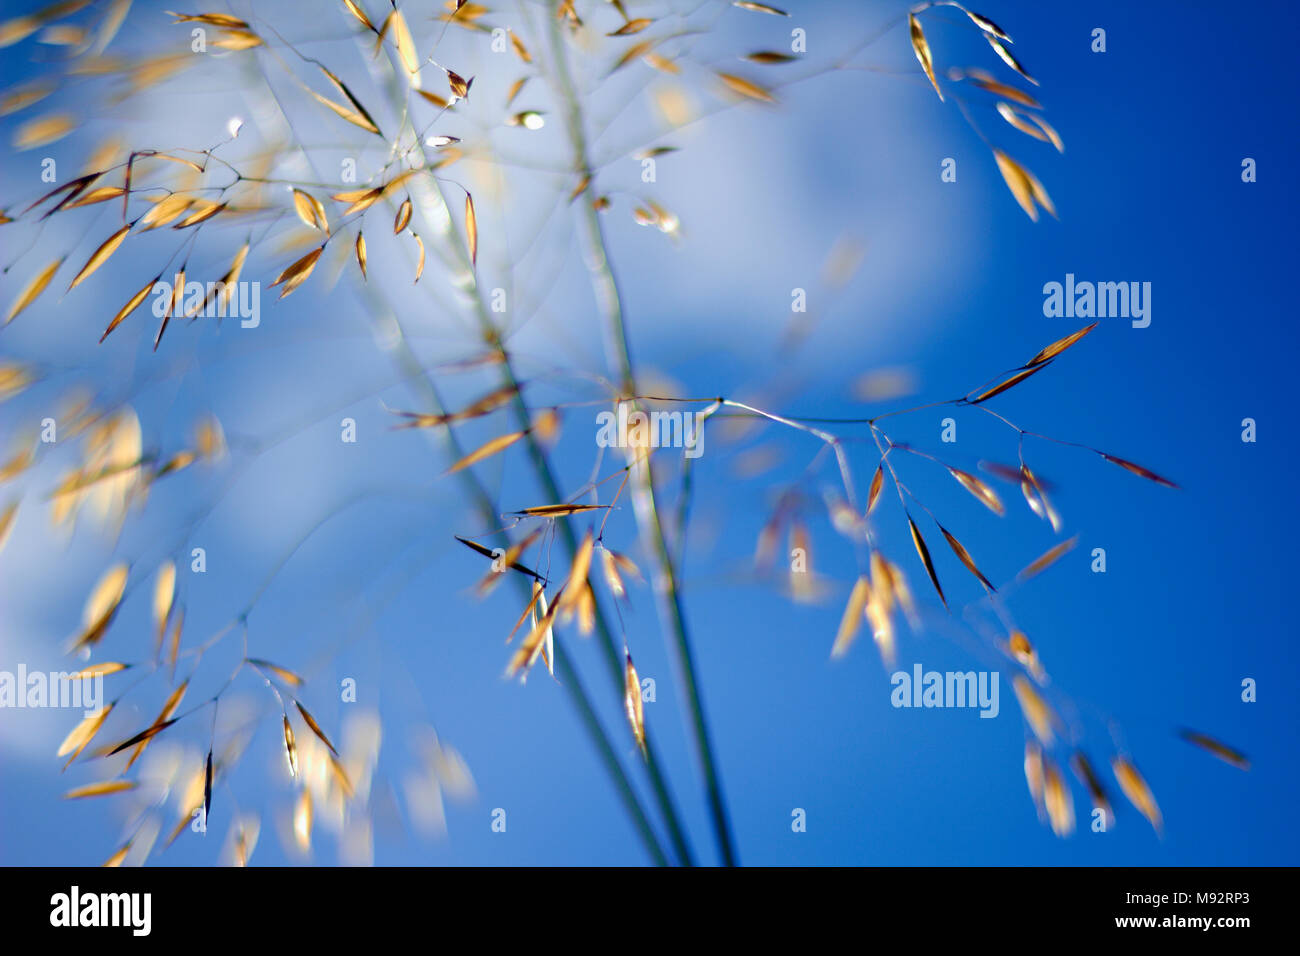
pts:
[610, 304]
[546, 476]
[568, 676]
[607, 641]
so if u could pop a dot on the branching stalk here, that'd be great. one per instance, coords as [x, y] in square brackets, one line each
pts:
[545, 474]
[609, 302]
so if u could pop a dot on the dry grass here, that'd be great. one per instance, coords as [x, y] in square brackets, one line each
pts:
[238, 210]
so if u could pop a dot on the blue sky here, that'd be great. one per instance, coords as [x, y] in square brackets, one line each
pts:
[1148, 189]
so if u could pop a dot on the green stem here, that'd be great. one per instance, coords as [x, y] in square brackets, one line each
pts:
[484, 503]
[546, 476]
[568, 676]
[610, 303]
[608, 643]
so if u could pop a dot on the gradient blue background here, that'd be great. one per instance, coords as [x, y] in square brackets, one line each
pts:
[1199, 580]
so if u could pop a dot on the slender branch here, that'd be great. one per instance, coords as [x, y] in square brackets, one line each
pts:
[541, 465]
[609, 301]
[568, 675]
[486, 507]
